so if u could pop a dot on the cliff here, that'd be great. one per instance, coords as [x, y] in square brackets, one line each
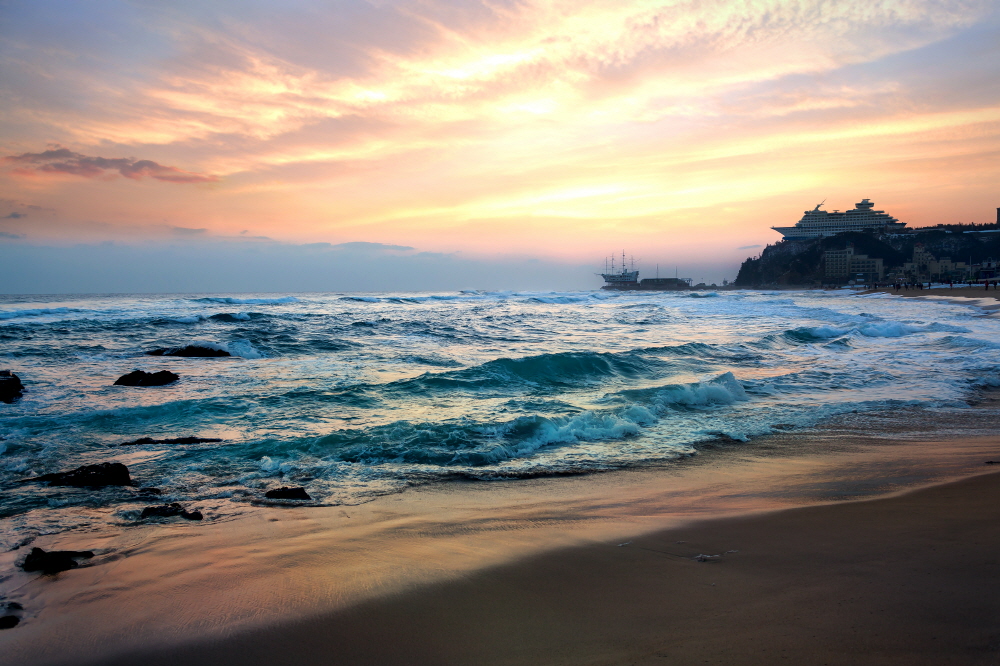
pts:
[800, 262]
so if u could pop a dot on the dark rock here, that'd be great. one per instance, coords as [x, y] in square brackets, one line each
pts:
[141, 378]
[288, 493]
[9, 621]
[11, 387]
[103, 474]
[190, 351]
[150, 491]
[992, 462]
[13, 605]
[174, 440]
[53, 561]
[168, 511]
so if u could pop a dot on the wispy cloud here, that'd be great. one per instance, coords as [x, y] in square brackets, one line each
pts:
[188, 231]
[485, 126]
[65, 161]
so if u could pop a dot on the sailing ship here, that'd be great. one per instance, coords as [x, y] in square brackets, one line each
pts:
[627, 278]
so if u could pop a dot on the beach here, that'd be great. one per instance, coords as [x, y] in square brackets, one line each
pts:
[798, 561]
[990, 297]
[910, 579]
[738, 478]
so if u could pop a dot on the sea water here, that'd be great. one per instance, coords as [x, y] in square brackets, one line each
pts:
[356, 395]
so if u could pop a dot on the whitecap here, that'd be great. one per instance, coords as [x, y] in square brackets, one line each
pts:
[242, 348]
[248, 301]
[35, 312]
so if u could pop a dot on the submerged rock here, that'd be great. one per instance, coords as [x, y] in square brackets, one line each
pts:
[11, 387]
[189, 351]
[142, 378]
[53, 561]
[171, 440]
[288, 493]
[103, 474]
[168, 511]
[9, 621]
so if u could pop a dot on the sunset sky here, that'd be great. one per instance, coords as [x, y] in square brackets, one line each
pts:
[490, 136]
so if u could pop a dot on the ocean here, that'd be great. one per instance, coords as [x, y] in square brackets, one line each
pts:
[354, 396]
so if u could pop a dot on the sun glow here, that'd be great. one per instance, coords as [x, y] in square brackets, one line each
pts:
[494, 129]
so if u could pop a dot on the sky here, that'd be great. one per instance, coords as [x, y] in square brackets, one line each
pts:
[450, 144]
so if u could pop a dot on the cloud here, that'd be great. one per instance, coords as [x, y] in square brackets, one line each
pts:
[63, 160]
[368, 247]
[14, 216]
[748, 247]
[4, 234]
[187, 231]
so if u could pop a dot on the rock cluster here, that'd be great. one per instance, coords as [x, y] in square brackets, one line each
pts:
[168, 511]
[189, 351]
[288, 493]
[94, 476]
[171, 440]
[53, 561]
[8, 621]
[11, 387]
[142, 378]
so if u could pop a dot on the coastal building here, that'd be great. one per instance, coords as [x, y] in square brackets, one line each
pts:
[661, 284]
[863, 217]
[989, 270]
[924, 266]
[845, 264]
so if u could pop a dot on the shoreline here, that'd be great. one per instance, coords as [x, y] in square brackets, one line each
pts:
[166, 589]
[906, 579]
[961, 293]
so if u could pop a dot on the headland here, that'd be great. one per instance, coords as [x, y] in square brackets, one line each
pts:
[867, 246]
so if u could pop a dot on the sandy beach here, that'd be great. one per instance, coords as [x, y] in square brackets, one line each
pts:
[910, 579]
[991, 297]
[583, 570]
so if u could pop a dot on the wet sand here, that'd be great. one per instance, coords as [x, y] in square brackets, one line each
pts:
[532, 571]
[910, 579]
[992, 296]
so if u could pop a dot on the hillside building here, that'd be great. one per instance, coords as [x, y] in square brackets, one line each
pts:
[924, 266]
[845, 264]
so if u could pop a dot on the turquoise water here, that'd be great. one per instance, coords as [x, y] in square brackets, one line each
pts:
[356, 395]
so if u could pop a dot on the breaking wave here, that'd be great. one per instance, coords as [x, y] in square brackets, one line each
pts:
[247, 301]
